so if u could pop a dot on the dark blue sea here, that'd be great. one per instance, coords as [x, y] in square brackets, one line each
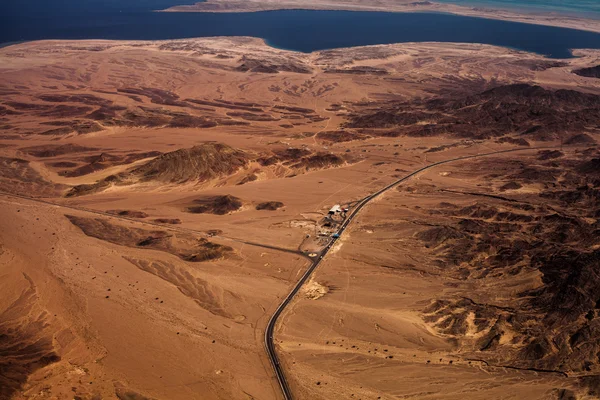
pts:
[305, 31]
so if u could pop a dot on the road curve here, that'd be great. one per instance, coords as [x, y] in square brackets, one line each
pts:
[269, 343]
[268, 337]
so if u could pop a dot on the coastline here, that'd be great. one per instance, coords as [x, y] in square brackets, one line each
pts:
[407, 6]
[242, 45]
[231, 51]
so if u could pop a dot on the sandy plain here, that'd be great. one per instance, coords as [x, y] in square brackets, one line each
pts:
[137, 265]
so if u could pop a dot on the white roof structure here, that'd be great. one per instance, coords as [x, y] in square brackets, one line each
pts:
[335, 209]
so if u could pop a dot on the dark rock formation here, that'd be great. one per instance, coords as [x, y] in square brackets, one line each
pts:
[529, 111]
[340, 136]
[219, 205]
[550, 326]
[186, 247]
[54, 150]
[269, 205]
[591, 72]
[128, 213]
[198, 164]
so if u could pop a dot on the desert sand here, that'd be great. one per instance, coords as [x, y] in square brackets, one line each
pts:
[160, 199]
[530, 17]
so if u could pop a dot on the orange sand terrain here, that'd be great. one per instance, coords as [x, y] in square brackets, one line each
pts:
[159, 200]
[538, 18]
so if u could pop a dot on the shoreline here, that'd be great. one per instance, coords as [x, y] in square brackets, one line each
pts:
[263, 44]
[402, 6]
[258, 43]
[575, 52]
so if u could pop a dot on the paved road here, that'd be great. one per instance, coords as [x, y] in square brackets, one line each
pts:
[315, 261]
[269, 343]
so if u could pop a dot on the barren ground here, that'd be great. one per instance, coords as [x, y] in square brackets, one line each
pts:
[156, 198]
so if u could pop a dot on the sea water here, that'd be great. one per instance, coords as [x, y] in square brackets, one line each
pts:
[299, 30]
[583, 8]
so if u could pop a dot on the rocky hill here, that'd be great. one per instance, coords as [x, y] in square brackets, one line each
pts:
[186, 247]
[520, 109]
[552, 325]
[219, 205]
[198, 164]
[591, 72]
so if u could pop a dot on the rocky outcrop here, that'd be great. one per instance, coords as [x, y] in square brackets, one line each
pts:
[591, 72]
[269, 205]
[198, 164]
[218, 205]
[528, 111]
[551, 325]
[186, 247]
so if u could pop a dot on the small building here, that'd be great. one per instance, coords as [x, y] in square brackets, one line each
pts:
[335, 209]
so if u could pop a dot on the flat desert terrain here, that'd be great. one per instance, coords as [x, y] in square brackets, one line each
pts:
[159, 201]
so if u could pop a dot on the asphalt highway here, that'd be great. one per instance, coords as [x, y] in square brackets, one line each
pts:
[315, 261]
[269, 343]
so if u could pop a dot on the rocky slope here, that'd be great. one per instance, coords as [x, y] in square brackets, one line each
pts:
[523, 110]
[552, 325]
[591, 72]
[184, 246]
[197, 164]
[218, 205]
